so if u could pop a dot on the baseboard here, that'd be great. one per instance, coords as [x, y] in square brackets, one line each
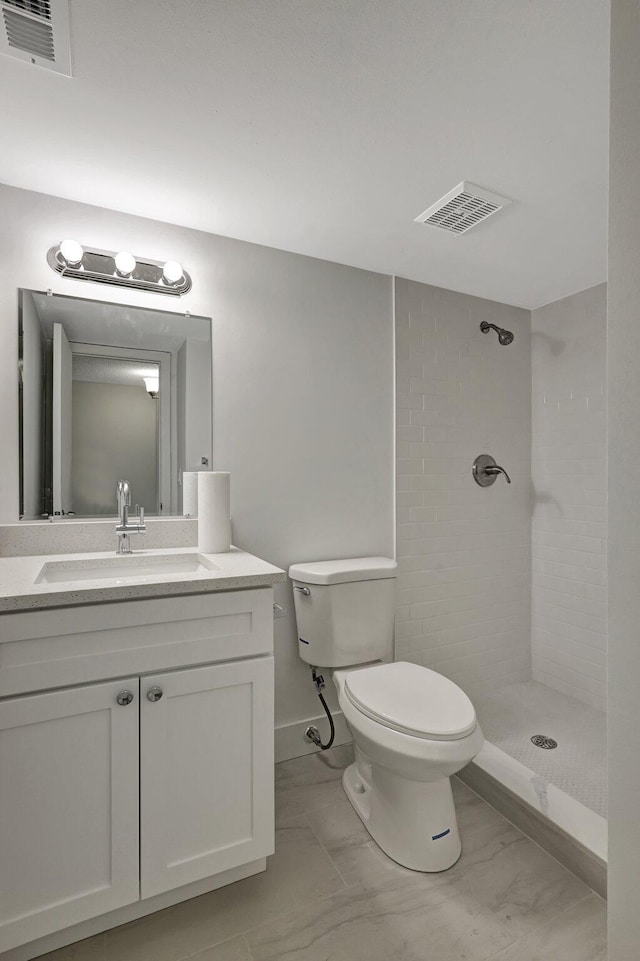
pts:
[290, 741]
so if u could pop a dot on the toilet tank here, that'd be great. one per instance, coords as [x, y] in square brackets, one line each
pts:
[344, 610]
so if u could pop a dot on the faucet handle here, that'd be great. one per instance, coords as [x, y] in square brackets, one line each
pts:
[498, 470]
[485, 470]
[123, 493]
[141, 527]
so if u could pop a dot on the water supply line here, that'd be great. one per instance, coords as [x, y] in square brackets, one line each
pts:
[312, 733]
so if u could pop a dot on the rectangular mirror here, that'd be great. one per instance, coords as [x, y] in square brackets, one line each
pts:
[109, 392]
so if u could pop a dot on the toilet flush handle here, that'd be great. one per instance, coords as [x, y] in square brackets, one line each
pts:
[302, 590]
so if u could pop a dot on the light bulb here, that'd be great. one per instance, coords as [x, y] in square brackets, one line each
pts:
[152, 384]
[172, 272]
[125, 263]
[71, 252]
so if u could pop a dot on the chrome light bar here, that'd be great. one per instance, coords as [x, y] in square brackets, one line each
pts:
[118, 268]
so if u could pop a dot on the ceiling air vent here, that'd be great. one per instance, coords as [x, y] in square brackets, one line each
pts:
[37, 31]
[462, 208]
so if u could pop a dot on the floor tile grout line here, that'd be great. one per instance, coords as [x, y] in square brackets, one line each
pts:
[218, 944]
[587, 897]
[249, 952]
[307, 812]
[340, 894]
[319, 807]
[467, 832]
[359, 885]
[318, 899]
[516, 827]
[330, 859]
[507, 947]
[568, 907]
[371, 892]
[245, 931]
[558, 914]
[305, 818]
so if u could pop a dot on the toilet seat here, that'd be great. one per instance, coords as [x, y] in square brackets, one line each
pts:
[411, 699]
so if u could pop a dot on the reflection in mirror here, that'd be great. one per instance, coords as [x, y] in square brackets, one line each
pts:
[109, 392]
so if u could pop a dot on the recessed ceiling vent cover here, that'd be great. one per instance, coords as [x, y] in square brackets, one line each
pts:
[462, 208]
[37, 31]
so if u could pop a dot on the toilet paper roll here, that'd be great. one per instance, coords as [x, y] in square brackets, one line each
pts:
[190, 493]
[214, 512]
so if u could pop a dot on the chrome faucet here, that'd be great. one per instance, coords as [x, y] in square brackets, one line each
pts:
[125, 528]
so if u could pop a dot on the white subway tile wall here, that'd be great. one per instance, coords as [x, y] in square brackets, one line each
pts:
[569, 576]
[463, 599]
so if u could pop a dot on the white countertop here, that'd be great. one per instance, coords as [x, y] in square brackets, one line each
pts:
[231, 571]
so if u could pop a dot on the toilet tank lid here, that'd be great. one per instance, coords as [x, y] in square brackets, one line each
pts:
[343, 571]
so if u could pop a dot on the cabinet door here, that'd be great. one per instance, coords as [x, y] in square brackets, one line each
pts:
[206, 771]
[68, 808]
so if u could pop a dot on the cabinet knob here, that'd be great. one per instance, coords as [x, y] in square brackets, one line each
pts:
[154, 693]
[124, 698]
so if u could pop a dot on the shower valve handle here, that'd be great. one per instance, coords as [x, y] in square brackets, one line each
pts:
[485, 470]
[497, 470]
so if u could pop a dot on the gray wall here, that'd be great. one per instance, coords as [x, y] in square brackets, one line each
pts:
[114, 437]
[464, 551]
[302, 390]
[569, 476]
[623, 347]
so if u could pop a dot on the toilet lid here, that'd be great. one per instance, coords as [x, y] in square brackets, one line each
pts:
[412, 699]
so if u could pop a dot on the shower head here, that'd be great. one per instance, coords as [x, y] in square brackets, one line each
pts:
[504, 336]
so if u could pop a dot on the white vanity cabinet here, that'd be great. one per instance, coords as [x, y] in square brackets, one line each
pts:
[68, 808]
[206, 772]
[150, 769]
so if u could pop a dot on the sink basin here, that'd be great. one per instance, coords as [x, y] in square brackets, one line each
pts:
[134, 566]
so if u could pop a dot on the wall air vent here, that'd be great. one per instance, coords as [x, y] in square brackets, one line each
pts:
[37, 31]
[39, 8]
[462, 208]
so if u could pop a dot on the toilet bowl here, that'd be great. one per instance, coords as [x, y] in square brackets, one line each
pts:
[406, 749]
[412, 728]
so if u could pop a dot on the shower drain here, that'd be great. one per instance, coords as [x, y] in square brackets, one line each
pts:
[541, 740]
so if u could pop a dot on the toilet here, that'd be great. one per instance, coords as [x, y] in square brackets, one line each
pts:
[412, 728]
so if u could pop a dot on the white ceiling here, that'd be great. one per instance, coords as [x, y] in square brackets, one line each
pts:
[325, 126]
[112, 370]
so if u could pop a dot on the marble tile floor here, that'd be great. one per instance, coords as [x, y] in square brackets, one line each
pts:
[330, 894]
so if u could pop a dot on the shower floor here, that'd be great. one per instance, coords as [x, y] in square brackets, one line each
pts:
[510, 717]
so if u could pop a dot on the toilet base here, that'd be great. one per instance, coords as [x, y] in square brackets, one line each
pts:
[414, 822]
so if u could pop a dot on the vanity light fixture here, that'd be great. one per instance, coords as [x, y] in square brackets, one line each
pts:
[172, 273]
[125, 264]
[152, 385]
[71, 253]
[119, 268]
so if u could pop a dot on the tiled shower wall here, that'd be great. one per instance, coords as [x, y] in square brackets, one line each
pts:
[569, 592]
[463, 551]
